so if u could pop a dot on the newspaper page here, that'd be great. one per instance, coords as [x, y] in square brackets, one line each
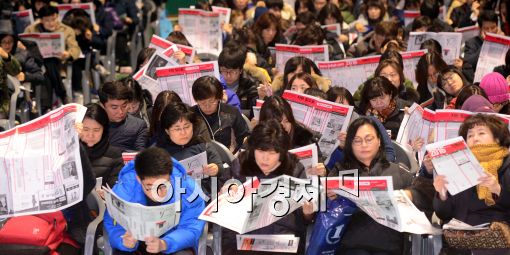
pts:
[453, 159]
[410, 60]
[223, 12]
[286, 51]
[468, 32]
[459, 225]
[450, 41]
[51, 45]
[146, 76]
[22, 19]
[41, 165]
[142, 221]
[493, 50]
[180, 78]
[448, 122]
[335, 28]
[253, 210]
[418, 123]
[376, 197]
[87, 7]
[128, 156]
[268, 243]
[308, 156]
[160, 45]
[256, 112]
[194, 165]
[203, 29]
[409, 16]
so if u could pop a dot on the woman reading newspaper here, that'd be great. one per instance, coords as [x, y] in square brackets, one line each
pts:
[364, 150]
[267, 157]
[488, 138]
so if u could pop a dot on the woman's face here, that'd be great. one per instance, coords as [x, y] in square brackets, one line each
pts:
[365, 144]
[330, 20]
[181, 132]
[480, 135]
[268, 34]
[299, 69]
[381, 102]
[7, 43]
[286, 124]
[92, 132]
[341, 100]
[299, 86]
[391, 74]
[267, 161]
[432, 74]
[452, 83]
[240, 4]
[374, 13]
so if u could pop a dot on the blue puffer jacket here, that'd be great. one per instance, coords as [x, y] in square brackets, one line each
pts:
[185, 235]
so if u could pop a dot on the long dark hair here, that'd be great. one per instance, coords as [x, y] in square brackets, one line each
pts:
[175, 112]
[350, 161]
[422, 70]
[307, 66]
[163, 99]
[97, 113]
[266, 136]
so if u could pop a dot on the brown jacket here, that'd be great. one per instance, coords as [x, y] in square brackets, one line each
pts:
[323, 83]
[69, 37]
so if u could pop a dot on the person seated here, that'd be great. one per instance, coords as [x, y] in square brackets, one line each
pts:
[127, 132]
[8, 66]
[136, 185]
[183, 141]
[450, 82]
[372, 14]
[427, 70]
[267, 157]
[301, 82]
[221, 119]
[488, 23]
[463, 13]
[49, 24]
[106, 159]
[373, 42]
[487, 136]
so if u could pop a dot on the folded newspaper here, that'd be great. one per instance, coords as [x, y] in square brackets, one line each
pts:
[194, 165]
[455, 224]
[308, 156]
[269, 243]
[142, 221]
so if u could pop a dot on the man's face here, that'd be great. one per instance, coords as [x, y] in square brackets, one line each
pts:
[154, 187]
[116, 109]
[231, 76]
[488, 27]
[50, 22]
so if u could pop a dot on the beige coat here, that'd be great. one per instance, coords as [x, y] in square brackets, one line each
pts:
[69, 37]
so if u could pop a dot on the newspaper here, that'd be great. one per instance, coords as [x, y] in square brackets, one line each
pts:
[493, 50]
[87, 7]
[253, 211]
[194, 165]
[142, 221]
[180, 78]
[160, 45]
[128, 156]
[391, 208]
[51, 45]
[450, 42]
[409, 16]
[22, 19]
[284, 52]
[202, 28]
[455, 224]
[468, 32]
[223, 12]
[307, 155]
[453, 159]
[322, 116]
[351, 73]
[41, 165]
[268, 243]
[335, 28]
[146, 76]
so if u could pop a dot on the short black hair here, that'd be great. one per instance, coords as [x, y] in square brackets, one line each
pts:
[306, 18]
[114, 90]
[332, 10]
[153, 162]
[376, 87]
[430, 8]
[432, 45]
[47, 10]
[206, 87]
[270, 4]
[97, 113]
[233, 56]
[313, 34]
[421, 21]
[316, 92]
[487, 16]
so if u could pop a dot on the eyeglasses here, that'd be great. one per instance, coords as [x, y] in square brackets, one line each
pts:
[180, 130]
[358, 141]
[448, 80]
[207, 103]
[229, 72]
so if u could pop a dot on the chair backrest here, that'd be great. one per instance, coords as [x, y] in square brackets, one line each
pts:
[225, 154]
[248, 122]
[13, 83]
[405, 157]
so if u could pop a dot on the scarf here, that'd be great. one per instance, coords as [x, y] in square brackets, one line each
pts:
[384, 114]
[99, 149]
[491, 158]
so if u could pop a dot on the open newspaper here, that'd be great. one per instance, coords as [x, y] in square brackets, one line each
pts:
[308, 156]
[334, 28]
[284, 52]
[194, 165]
[453, 159]
[450, 42]
[180, 79]
[41, 165]
[322, 116]
[351, 73]
[22, 19]
[160, 45]
[146, 76]
[468, 32]
[142, 221]
[492, 54]
[51, 45]
[87, 7]
[253, 211]
[268, 243]
[223, 12]
[391, 208]
[202, 28]
[410, 15]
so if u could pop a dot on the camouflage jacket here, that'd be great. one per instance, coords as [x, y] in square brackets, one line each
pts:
[12, 67]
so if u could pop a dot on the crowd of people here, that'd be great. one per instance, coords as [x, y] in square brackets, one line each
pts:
[164, 129]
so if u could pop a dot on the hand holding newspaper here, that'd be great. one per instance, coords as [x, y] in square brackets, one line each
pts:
[268, 243]
[195, 165]
[142, 221]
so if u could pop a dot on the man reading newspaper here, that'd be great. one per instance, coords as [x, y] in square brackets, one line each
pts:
[142, 181]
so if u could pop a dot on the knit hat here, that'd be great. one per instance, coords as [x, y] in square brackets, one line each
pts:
[258, 12]
[477, 103]
[496, 87]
